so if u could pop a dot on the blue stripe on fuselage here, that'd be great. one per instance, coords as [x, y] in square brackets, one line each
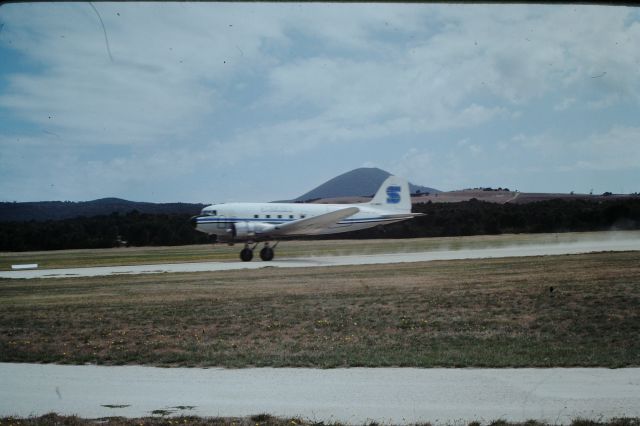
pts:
[283, 220]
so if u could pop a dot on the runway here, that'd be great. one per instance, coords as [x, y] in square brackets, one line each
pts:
[626, 244]
[353, 396]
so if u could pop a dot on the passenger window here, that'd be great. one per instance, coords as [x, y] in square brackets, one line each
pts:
[268, 216]
[302, 216]
[279, 216]
[255, 216]
[290, 216]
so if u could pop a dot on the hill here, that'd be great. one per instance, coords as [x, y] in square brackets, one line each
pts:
[358, 182]
[364, 181]
[57, 210]
[504, 196]
[355, 186]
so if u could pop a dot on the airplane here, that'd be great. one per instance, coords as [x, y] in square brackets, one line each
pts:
[252, 223]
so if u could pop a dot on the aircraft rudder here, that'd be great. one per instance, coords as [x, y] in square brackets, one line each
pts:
[393, 194]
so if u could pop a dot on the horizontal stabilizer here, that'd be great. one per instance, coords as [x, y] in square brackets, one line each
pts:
[403, 215]
[314, 224]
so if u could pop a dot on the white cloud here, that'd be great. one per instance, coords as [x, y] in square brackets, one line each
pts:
[544, 158]
[605, 101]
[171, 63]
[191, 85]
[565, 104]
[617, 149]
[167, 64]
[415, 165]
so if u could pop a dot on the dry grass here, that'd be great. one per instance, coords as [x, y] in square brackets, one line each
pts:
[489, 313]
[257, 420]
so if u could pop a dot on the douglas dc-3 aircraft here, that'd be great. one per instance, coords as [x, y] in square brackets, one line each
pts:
[254, 222]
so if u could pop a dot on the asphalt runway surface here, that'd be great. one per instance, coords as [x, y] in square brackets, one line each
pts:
[354, 395]
[625, 244]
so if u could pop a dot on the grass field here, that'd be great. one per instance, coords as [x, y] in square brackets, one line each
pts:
[257, 420]
[221, 252]
[482, 313]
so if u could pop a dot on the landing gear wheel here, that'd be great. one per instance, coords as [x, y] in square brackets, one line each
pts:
[246, 254]
[266, 254]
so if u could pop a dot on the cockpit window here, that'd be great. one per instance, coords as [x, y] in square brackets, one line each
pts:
[209, 212]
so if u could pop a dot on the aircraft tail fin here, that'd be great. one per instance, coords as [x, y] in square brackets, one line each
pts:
[393, 195]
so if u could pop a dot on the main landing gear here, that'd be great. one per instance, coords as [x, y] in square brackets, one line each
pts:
[266, 253]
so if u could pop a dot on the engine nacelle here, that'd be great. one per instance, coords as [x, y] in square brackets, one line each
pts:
[249, 230]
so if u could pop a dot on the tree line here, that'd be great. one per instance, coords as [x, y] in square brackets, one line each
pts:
[441, 219]
[481, 218]
[105, 231]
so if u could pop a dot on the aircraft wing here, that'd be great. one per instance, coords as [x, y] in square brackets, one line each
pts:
[314, 224]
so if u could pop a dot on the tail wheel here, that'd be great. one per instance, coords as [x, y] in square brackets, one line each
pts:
[246, 254]
[266, 254]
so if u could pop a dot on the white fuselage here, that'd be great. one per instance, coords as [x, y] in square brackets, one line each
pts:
[217, 219]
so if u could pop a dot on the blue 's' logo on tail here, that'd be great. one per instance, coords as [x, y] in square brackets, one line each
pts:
[393, 194]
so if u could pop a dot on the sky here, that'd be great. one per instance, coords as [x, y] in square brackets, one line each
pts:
[214, 102]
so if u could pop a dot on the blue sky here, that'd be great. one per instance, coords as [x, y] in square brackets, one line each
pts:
[220, 102]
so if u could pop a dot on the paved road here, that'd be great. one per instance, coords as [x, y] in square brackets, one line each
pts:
[514, 251]
[356, 396]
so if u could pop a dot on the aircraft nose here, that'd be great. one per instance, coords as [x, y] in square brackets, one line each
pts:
[194, 221]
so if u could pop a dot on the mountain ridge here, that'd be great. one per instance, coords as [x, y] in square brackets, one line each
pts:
[58, 210]
[361, 181]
